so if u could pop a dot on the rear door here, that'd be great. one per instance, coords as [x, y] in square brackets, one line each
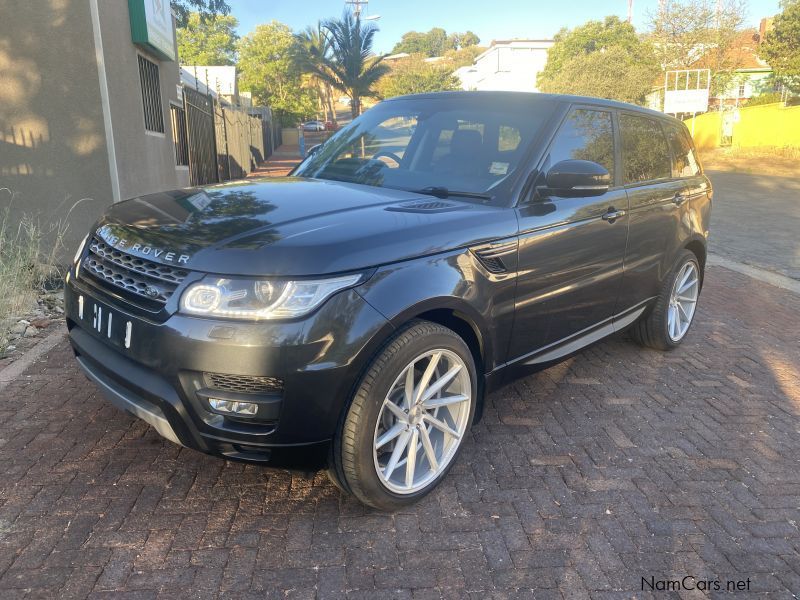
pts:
[570, 251]
[655, 195]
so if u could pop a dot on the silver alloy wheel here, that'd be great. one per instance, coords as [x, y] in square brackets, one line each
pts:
[422, 421]
[683, 301]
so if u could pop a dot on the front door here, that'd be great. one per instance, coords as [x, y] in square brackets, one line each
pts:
[571, 250]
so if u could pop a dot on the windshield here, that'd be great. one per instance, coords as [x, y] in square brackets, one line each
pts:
[466, 143]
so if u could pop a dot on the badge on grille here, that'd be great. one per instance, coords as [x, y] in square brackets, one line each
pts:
[151, 292]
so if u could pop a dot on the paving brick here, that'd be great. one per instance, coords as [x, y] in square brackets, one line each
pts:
[616, 464]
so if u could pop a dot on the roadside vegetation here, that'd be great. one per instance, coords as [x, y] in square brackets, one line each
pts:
[345, 60]
[300, 74]
[781, 47]
[435, 42]
[209, 40]
[28, 258]
[606, 59]
[415, 75]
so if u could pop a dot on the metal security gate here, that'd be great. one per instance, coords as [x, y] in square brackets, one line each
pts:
[223, 142]
[221, 134]
[201, 137]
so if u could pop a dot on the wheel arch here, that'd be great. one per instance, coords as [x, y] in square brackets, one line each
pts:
[468, 329]
[697, 246]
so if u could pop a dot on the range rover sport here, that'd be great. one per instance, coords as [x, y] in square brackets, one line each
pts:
[354, 315]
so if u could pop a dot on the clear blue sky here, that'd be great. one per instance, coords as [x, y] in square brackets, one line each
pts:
[498, 19]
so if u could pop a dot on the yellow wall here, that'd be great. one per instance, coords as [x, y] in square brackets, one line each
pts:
[767, 125]
[706, 130]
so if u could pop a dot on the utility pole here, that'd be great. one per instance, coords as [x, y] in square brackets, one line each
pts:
[357, 4]
[630, 11]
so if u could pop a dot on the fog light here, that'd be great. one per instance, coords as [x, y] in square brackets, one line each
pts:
[233, 407]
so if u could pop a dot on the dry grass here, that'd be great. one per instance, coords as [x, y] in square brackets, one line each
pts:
[783, 162]
[28, 260]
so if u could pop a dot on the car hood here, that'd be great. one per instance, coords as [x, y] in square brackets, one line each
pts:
[295, 227]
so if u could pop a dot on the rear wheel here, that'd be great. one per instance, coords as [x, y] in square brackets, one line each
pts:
[408, 418]
[667, 324]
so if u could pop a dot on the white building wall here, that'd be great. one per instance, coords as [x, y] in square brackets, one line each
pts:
[507, 66]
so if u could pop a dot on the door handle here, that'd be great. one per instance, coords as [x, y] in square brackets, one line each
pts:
[678, 199]
[612, 214]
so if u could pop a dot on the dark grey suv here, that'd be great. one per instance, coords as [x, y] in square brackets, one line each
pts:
[354, 315]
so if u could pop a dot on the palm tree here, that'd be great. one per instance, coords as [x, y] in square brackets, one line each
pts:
[348, 63]
[311, 51]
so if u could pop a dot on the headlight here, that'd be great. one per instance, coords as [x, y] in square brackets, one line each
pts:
[256, 299]
[80, 249]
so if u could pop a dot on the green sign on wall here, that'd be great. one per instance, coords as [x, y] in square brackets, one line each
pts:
[151, 26]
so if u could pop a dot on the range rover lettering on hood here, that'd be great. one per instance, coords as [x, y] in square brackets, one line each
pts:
[107, 234]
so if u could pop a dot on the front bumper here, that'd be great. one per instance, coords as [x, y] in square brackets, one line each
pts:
[158, 373]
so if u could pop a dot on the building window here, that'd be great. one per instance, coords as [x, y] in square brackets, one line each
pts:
[179, 135]
[741, 90]
[151, 95]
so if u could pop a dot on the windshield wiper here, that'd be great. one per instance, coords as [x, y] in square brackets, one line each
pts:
[443, 192]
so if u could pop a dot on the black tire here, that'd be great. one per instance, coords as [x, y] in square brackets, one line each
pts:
[652, 329]
[353, 467]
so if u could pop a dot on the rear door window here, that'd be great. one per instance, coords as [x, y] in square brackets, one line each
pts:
[683, 157]
[585, 135]
[645, 153]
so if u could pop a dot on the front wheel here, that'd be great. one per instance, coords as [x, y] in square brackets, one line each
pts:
[408, 418]
[667, 324]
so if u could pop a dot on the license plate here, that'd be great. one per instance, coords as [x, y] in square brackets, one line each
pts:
[105, 322]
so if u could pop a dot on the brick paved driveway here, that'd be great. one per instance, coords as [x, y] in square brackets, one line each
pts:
[616, 465]
[756, 220]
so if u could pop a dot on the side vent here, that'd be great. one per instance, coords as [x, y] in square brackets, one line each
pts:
[491, 255]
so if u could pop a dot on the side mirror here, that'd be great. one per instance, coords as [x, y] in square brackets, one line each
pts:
[313, 150]
[576, 179]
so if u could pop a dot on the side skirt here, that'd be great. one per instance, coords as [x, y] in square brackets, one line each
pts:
[560, 349]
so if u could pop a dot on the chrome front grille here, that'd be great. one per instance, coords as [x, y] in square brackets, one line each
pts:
[140, 265]
[245, 384]
[143, 279]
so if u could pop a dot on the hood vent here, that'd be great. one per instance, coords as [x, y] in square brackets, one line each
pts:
[491, 256]
[426, 206]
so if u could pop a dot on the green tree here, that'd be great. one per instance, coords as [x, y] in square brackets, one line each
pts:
[607, 51]
[781, 46]
[413, 75]
[433, 43]
[699, 34]
[206, 8]
[349, 64]
[464, 56]
[207, 41]
[268, 68]
[613, 73]
[312, 49]
[463, 40]
[592, 36]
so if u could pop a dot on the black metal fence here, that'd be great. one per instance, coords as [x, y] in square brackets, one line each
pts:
[223, 142]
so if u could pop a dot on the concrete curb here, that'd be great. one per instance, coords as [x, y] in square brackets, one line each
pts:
[18, 367]
[781, 281]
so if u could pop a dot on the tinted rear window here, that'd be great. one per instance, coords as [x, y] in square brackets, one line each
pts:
[685, 162]
[645, 154]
